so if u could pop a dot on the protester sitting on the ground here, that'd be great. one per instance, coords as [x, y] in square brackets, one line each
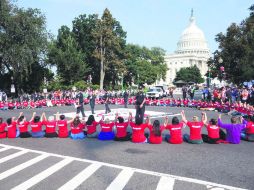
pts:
[106, 132]
[215, 134]
[91, 125]
[63, 125]
[50, 124]
[175, 129]
[138, 130]
[36, 126]
[77, 127]
[12, 131]
[156, 129]
[233, 129]
[248, 133]
[195, 129]
[121, 129]
[3, 132]
[23, 126]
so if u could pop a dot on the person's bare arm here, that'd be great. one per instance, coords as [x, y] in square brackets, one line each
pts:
[184, 117]
[32, 118]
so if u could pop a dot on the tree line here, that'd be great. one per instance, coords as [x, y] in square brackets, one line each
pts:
[93, 51]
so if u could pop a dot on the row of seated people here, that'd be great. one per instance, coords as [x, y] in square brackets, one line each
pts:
[235, 108]
[118, 129]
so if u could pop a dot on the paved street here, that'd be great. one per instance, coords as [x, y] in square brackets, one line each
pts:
[92, 164]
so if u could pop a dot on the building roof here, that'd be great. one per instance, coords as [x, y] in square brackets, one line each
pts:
[192, 40]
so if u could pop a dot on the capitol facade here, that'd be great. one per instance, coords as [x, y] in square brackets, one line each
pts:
[192, 49]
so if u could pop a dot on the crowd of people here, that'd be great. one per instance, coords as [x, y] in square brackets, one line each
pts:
[241, 109]
[120, 130]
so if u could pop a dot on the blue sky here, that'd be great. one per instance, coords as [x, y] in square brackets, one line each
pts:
[149, 22]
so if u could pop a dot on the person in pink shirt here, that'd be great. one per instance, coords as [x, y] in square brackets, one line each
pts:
[156, 129]
[121, 129]
[23, 124]
[3, 132]
[50, 124]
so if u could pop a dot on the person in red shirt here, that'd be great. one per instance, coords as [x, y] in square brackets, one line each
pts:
[195, 129]
[175, 129]
[138, 130]
[50, 124]
[106, 130]
[3, 132]
[23, 126]
[248, 133]
[77, 127]
[156, 129]
[12, 131]
[36, 125]
[121, 129]
[63, 125]
[215, 134]
[91, 125]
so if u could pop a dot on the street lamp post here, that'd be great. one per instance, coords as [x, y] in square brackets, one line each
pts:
[220, 60]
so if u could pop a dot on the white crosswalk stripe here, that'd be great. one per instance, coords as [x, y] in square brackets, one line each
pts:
[81, 177]
[22, 166]
[122, 178]
[39, 177]
[166, 183]
[7, 158]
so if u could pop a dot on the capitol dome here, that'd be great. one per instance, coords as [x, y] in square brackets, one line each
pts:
[192, 40]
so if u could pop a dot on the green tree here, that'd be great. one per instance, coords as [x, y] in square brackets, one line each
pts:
[23, 47]
[83, 27]
[236, 48]
[70, 61]
[144, 65]
[189, 74]
[110, 42]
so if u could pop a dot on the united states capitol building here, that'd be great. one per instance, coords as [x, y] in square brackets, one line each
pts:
[192, 49]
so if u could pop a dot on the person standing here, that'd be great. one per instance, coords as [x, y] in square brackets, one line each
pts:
[106, 99]
[92, 101]
[125, 97]
[140, 105]
[80, 106]
[184, 90]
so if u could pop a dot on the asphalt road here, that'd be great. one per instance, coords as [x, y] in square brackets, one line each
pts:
[191, 166]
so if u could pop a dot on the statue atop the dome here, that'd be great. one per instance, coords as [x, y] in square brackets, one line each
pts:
[192, 12]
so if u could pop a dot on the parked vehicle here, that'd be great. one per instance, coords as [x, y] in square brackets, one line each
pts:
[154, 93]
[164, 89]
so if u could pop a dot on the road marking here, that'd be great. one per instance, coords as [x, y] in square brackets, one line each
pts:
[80, 178]
[147, 172]
[44, 174]
[166, 183]
[22, 166]
[4, 149]
[121, 180]
[7, 158]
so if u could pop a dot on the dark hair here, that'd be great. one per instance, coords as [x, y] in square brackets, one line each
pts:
[120, 119]
[138, 121]
[233, 119]
[90, 120]
[36, 119]
[213, 121]
[62, 117]
[21, 118]
[76, 122]
[8, 121]
[175, 121]
[156, 128]
[252, 118]
[1, 120]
